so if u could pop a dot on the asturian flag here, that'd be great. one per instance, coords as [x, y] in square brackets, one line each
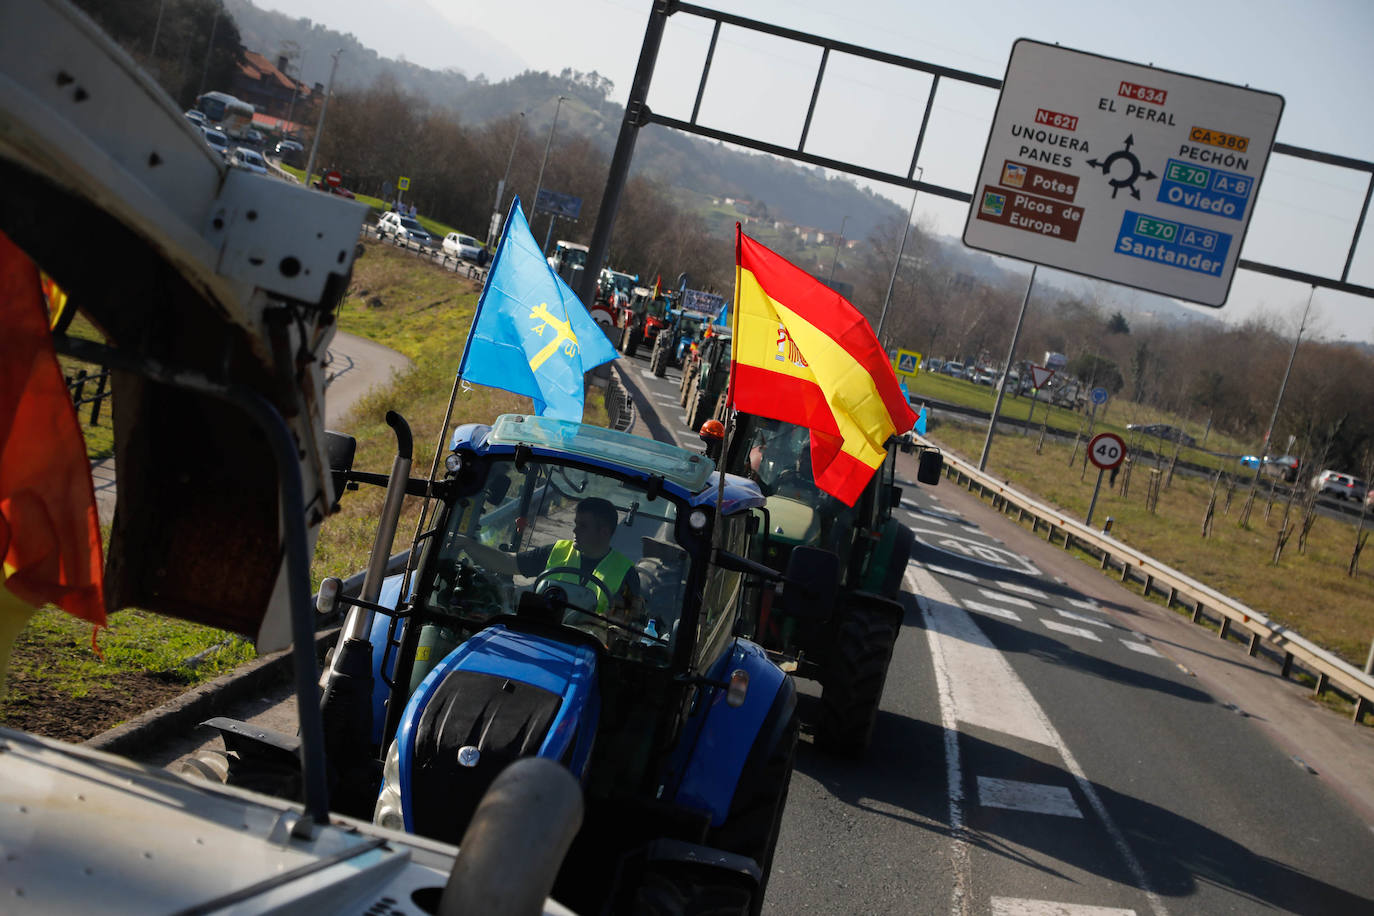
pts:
[531, 334]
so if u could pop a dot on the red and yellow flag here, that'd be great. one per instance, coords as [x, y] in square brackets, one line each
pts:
[802, 354]
[658, 286]
[49, 528]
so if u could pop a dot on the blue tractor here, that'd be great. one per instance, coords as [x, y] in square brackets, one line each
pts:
[576, 596]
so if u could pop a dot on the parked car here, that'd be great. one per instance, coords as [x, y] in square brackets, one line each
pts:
[983, 377]
[465, 247]
[955, 370]
[1285, 466]
[196, 117]
[1340, 485]
[216, 140]
[290, 152]
[249, 159]
[403, 229]
[1162, 431]
[934, 365]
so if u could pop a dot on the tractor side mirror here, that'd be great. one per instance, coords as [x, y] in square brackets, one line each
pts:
[929, 467]
[894, 496]
[339, 449]
[811, 583]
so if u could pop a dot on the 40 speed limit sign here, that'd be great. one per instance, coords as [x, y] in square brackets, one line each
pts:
[1106, 450]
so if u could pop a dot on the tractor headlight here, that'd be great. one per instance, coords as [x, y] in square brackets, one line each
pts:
[388, 812]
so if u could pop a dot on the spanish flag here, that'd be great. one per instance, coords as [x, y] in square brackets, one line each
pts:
[49, 528]
[802, 354]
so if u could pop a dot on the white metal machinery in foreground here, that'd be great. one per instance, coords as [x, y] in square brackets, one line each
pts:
[216, 291]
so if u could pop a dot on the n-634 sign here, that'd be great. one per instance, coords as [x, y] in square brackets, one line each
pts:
[1106, 450]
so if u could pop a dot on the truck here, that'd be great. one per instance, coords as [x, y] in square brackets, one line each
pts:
[568, 260]
[214, 291]
[626, 670]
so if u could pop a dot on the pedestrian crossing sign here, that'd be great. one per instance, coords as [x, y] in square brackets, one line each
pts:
[908, 362]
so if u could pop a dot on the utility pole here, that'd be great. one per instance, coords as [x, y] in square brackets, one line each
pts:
[539, 183]
[838, 243]
[209, 50]
[319, 127]
[1273, 418]
[906, 230]
[494, 231]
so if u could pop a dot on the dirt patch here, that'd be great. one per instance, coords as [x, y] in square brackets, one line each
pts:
[42, 710]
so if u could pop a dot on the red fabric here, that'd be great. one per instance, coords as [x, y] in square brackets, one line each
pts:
[49, 527]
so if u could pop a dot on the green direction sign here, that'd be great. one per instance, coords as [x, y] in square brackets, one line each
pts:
[908, 362]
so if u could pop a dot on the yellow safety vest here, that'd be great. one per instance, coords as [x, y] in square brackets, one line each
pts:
[611, 570]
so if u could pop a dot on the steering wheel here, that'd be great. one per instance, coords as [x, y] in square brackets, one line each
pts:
[582, 577]
[601, 587]
[574, 483]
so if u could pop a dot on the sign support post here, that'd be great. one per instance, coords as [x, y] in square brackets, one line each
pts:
[1002, 387]
[1106, 451]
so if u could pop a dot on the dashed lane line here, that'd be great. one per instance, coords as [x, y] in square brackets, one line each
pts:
[1033, 797]
[1071, 631]
[1020, 906]
[1084, 618]
[1140, 647]
[1007, 599]
[992, 609]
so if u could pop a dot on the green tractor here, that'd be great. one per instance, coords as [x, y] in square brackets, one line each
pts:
[849, 651]
[705, 394]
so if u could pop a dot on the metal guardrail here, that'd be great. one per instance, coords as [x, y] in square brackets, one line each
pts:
[76, 384]
[1203, 601]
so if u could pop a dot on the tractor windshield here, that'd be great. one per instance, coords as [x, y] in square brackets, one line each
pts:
[599, 551]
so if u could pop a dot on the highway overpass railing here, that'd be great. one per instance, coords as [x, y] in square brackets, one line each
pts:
[1205, 603]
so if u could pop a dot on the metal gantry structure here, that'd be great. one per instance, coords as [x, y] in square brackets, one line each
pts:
[639, 115]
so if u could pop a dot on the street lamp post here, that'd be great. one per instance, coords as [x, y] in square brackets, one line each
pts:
[324, 106]
[495, 228]
[838, 243]
[901, 249]
[539, 182]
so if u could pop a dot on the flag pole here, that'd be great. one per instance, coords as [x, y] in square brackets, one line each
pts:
[730, 381]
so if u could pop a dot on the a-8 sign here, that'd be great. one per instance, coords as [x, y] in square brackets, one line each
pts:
[1106, 451]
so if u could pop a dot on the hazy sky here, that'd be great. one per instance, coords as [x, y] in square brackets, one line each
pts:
[1314, 53]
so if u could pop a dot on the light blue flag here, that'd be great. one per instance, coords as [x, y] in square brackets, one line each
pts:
[921, 421]
[531, 334]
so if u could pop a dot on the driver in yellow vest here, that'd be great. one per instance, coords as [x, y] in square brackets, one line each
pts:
[589, 551]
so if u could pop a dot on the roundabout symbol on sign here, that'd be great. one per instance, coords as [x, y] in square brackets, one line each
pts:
[1106, 451]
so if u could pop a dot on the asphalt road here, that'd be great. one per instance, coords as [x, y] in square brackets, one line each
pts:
[1049, 743]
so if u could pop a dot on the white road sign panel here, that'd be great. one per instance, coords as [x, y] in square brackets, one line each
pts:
[1106, 450]
[1119, 171]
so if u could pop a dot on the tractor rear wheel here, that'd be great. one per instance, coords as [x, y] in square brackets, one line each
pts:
[689, 376]
[854, 679]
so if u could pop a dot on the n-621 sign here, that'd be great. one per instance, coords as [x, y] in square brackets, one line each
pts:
[1106, 450]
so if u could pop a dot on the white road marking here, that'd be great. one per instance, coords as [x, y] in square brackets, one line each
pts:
[1140, 647]
[1082, 618]
[1017, 906]
[1071, 631]
[995, 611]
[954, 639]
[1088, 605]
[664, 398]
[1007, 599]
[682, 418]
[1022, 590]
[954, 573]
[927, 519]
[1034, 797]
